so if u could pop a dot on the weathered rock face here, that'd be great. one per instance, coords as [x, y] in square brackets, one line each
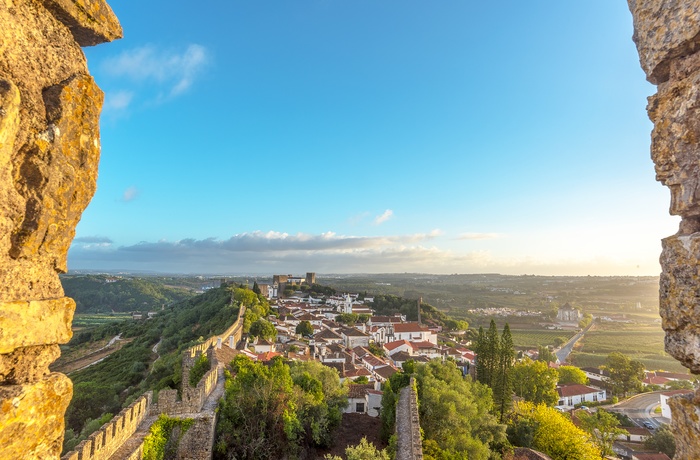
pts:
[667, 35]
[49, 151]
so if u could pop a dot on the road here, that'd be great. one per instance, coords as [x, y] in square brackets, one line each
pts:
[565, 350]
[640, 409]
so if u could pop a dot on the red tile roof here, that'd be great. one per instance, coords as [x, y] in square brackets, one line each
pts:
[574, 390]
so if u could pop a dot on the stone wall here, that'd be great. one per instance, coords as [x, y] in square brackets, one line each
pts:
[667, 35]
[49, 151]
[192, 398]
[408, 445]
[198, 442]
[110, 437]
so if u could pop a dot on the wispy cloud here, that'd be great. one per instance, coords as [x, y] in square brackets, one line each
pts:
[93, 240]
[383, 217]
[130, 194]
[117, 101]
[173, 71]
[479, 236]
[325, 253]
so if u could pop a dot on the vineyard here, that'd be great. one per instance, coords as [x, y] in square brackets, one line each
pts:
[643, 345]
[83, 320]
[523, 338]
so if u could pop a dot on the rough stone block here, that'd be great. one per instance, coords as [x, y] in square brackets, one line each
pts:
[90, 21]
[663, 31]
[678, 295]
[36, 322]
[675, 142]
[685, 424]
[31, 418]
[26, 365]
[59, 170]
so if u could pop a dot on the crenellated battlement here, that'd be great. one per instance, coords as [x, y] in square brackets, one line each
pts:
[110, 437]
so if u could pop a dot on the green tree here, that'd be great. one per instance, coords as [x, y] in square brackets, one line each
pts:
[200, 367]
[263, 329]
[603, 427]
[455, 412]
[365, 450]
[545, 355]
[571, 375]
[304, 328]
[662, 441]
[536, 382]
[347, 318]
[552, 432]
[503, 384]
[256, 288]
[258, 417]
[626, 374]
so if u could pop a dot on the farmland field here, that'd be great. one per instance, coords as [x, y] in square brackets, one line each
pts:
[523, 338]
[645, 344]
[85, 320]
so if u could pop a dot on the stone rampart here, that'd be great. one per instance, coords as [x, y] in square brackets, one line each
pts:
[409, 446]
[110, 437]
[198, 442]
[667, 35]
[49, 152]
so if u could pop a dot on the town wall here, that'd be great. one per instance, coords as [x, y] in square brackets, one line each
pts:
[667, 35]
[101, 444]
[409, 445]
[198, 442]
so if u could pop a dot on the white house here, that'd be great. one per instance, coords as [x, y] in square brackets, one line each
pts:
[568, 314]
[570, 395]
[357, 397]
[413, 332]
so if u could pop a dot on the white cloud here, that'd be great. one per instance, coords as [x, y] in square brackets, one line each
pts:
[176, 71]
[117, 101]
[273, 251]
[478, 236]
[386, 215]
[130, 194]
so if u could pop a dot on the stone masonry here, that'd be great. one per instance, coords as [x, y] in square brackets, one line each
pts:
[49, 151]
[667, 35]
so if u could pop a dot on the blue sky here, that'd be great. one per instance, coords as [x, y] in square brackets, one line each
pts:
[374, 136]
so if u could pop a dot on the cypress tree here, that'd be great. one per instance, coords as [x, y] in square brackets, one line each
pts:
[492, 353]
[481, 359]
[503, 389]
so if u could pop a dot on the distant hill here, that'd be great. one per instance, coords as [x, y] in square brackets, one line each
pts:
[103, 294]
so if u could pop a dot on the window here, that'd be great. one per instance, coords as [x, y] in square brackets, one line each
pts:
[595, 396]
[360, 407]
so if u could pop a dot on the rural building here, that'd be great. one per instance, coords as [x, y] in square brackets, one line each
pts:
[568, 314]
[570, 395]
[665, 396]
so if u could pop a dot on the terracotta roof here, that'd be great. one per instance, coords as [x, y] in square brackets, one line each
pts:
[386, 371]
[423, 344]
[410, 327]
[357, 372]
[674, 375]
[655, 380]
[327, 334]
[359, 390]
[638, 430]
[401, 356]
[676, 392]
[352, 332]
[395, 344]
[574, 390]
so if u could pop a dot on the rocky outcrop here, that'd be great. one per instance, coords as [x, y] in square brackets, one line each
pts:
[667, 35]
[49, 151]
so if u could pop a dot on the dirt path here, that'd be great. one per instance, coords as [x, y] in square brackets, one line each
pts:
[89, 359]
